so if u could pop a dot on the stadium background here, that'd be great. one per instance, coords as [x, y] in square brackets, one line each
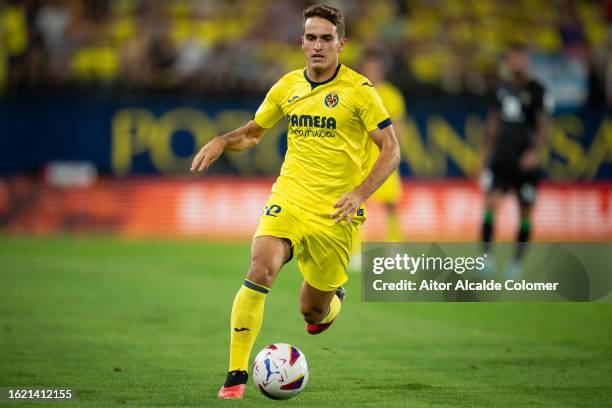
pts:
[103, 100]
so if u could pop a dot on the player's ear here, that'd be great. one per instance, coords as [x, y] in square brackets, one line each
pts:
[302, 39]
[342, 43]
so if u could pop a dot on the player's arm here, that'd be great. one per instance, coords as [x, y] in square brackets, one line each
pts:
[387, 161]
[542, 130]
[490, 134]
[530, 159]
[243, 138]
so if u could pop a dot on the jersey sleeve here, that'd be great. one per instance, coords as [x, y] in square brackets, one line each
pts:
[493, 100]
[270, 111]
[544, 102]
[370, 108]
[548, 103]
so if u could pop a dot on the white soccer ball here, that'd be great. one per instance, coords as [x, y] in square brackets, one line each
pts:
[280, 371]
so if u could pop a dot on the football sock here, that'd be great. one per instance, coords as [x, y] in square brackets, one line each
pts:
[334, 308]
[393, 226]
[247, 315]
[487, 230]
[235, 378]
[522, 237]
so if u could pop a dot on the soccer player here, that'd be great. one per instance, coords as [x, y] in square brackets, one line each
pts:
[374, 67]
[515, 131]
[334, 116]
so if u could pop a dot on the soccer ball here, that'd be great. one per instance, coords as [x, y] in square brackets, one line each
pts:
[280, 371]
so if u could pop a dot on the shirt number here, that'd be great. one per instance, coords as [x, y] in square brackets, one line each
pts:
[272, 210]
[511, 109]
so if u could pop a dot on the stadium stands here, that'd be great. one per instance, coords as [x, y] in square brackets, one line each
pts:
[445, 45]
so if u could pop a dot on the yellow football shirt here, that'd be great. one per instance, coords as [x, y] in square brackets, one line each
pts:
[328, 126]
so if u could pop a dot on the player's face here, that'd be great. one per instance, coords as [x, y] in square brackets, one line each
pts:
[518, 62]
[321, 44]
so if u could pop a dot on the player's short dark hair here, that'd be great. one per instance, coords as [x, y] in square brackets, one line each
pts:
[517, 47]
[376, 54]
[331, 14]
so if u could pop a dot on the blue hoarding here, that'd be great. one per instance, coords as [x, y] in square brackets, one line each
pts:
[158, 134]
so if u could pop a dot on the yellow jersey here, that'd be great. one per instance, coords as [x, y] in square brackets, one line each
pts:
[327, 137]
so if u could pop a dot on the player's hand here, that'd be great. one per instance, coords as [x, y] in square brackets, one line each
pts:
[475, 172]
[208, 154]
[529, 160]
[347, 206]
[485, 181]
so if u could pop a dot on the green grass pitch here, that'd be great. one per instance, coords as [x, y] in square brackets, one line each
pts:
[146, 323]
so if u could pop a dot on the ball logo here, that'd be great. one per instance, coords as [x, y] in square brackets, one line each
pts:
[331, 100]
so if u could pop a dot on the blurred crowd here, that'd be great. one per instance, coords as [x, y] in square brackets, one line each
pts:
[452, 46]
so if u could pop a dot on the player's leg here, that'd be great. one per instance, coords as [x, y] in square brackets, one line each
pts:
[524, 231]
[389, 194]
[495, 183]
[319, 308]
[492, 199]
[392, 222]
[525, 185]
[268, 254]
[514, 269]
[527, 192]
[323, 260]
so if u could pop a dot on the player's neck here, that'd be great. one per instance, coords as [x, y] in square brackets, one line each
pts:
[520, 80]
[323, 75]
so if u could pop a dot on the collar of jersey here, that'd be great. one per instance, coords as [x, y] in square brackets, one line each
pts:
[314, 84]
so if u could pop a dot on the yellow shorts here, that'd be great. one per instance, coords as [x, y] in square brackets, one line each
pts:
[390, 191]
[321, 246]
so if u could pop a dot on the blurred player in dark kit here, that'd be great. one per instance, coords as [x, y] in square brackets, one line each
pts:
[515, 131]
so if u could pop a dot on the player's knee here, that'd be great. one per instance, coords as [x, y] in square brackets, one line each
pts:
[262, 273]
[311, 313]
[491, 202]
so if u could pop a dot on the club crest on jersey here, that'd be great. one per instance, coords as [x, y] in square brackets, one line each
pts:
[331, 100]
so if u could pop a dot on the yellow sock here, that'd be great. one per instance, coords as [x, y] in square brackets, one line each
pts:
[393, 227]
[334, 308]
[247, 315]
